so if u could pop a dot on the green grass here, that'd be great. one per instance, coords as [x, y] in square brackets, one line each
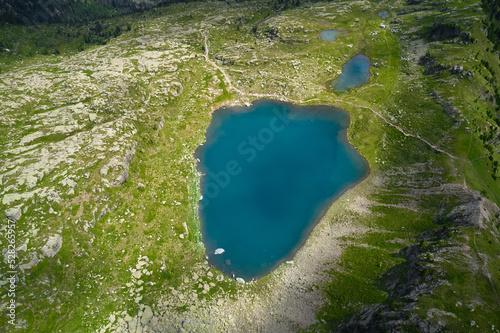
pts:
[358, 283]
[165, 163]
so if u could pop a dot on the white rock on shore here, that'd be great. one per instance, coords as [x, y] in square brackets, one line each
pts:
[219, 251]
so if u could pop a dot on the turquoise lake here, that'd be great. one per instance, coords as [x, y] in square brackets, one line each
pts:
[270, 172]
[331, 35]
[355, 73]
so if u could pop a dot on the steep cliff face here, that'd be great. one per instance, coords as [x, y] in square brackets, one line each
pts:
[29, 12]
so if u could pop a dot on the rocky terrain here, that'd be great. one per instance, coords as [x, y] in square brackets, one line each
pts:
[98, 173]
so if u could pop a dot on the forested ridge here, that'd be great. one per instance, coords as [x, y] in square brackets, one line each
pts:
[28, 12]
[492, 10]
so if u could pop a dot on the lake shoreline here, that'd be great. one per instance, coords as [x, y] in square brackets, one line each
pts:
[355, 73]
[320, 214]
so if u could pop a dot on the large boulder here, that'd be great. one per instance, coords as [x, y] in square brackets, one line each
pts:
[52, 246]
[219, 251]
[146, 316]
[14, 214]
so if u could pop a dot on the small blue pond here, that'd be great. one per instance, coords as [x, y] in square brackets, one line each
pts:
[355, 73]
[383, 14]
[271, 171]
[331, 35]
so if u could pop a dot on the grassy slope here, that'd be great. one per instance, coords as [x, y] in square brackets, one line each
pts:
[407, 104]
[164, 163]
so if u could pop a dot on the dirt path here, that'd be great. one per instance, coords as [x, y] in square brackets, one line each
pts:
[403, 131]
[224, 73]
[240, 92]
[424, 140]
[232, 87]
[279, 97]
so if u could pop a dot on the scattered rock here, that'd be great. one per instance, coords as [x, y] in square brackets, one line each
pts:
[132, 325]
[92, 118]
[188, 325]
[146, 316]
[14, 214]
[34, 261]
[31, 181]
[103, 212]
[52, 246]
[126, 165]
[162, 123]
[23, 247]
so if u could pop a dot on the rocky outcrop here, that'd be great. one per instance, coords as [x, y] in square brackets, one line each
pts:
[424, 273]
[434, 68]
[52, 246]
[120, 167]
[126, 165]
[146, 316]
[33, 262]
[13, 214]
[444, 31]
[404, 293]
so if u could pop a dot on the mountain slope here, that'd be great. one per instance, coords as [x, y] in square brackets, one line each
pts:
[98, 173]
[28, 12]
